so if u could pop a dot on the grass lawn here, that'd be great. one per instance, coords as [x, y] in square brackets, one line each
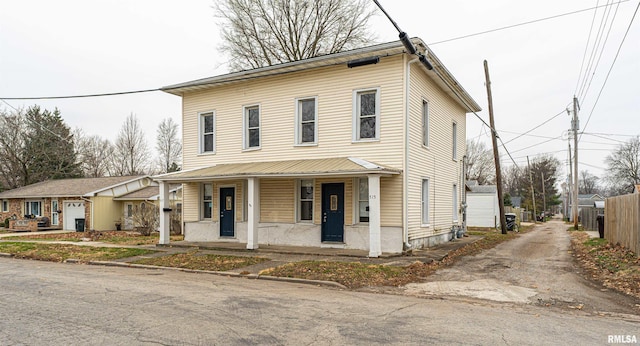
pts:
[111, 237]
[199, 261]
[61, 252]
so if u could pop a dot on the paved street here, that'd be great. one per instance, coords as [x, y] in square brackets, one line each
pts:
[46, 303]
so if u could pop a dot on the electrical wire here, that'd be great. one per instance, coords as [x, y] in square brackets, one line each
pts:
[586, 48]
[519, 24]
[80, 96]
[544, 122]
[610, 69]
[35, 122]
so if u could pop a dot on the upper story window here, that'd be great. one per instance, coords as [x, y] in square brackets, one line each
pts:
[251, 127]
[425, 123]
[366, 115]
[207, 132]
[455, 141]
[307, 121]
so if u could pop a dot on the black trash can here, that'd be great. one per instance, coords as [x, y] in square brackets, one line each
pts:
[510, 219]
[600, 219]
[79, 225]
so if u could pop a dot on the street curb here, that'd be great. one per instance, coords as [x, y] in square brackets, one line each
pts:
[3, 254]
[212, 272]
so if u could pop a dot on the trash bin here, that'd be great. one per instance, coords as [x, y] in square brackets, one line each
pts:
[79, 225]
[510, 219]
[600, 219]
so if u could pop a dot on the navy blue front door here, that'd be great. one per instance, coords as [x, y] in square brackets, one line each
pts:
[333, 212]
[227, 211]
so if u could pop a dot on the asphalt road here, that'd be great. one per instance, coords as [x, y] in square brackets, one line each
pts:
[44, 303]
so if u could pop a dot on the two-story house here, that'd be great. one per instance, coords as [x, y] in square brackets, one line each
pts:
[361, 149]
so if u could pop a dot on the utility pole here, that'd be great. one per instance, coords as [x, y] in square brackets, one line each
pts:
[570, 194]
[496, 156]
[533, 193]
[575, 125]
[544, 199]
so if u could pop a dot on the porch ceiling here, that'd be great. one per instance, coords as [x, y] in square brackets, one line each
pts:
[342, 166]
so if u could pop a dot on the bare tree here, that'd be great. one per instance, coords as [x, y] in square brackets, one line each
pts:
[131, 154]
[146, 218]
[259, 33]
[480, 165]
[623, 171]
[12, 142]
[168, 146]
[94, 154]
[588, 183]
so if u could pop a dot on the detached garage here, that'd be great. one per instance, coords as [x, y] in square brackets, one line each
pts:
[482, 205]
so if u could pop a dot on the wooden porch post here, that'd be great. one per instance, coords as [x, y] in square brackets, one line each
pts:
[375, 246]
[253, 212]
[165, 214]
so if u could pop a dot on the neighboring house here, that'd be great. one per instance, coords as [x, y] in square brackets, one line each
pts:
[483, 209]
[359, 150]
[62, 202]
[150, 195]
[636, 188]
[585, 201]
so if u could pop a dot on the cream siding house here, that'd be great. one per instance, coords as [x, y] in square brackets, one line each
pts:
[314, 153]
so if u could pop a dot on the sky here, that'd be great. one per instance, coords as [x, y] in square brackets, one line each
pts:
[77, 47]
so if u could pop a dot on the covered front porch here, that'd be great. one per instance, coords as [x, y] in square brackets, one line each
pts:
[323, 203]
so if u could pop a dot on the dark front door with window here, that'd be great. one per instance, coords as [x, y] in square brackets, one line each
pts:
[333, 212]
[227, 213]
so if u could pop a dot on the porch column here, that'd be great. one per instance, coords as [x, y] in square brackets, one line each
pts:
[165, 213]
[375, 246]
[253, 212]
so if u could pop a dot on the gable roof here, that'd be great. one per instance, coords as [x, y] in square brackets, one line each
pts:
[440, 74]
[67, 187]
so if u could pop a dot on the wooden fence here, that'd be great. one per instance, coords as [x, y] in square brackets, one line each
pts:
[588, 218]
[622, 221]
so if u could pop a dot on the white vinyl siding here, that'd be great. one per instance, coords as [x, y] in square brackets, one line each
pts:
[366, 114]
[307, 121]
[252, 133]
[454, 197]
[425, 202]
[207, 127]
[454, 140]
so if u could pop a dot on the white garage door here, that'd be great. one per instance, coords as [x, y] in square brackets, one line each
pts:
[482, 210]
[71, 211]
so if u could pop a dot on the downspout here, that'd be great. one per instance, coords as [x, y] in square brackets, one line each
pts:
[405, 182]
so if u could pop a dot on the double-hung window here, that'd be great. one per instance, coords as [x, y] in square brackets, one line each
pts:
[363, 200]
[5, 205]
[33, 208]
[207, 132]
[425, 202]
[307, 121]
[425, 123]
[454, 138]
[252, 127]
[207, 201]
[366, 115]
[305, 209]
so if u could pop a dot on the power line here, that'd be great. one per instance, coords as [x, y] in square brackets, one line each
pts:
[36, 123]
[520, 24]
[546, 121]
[611, 68]
[586, 47]
[80, 96]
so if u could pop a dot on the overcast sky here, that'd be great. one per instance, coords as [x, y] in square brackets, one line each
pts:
[75, 47]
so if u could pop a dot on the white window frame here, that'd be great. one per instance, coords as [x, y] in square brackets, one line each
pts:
[299, 201]
[245, 127]
[358, 200]
[425, 203]
[299, 122]
[201, 132]
[5, 205]
[203, 200]
[356, 115]
[455, 202]
[454, 141]
[55, 217]
[425, 123]
[27, 207]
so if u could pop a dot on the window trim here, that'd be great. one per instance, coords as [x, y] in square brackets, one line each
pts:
[202, 201]
[356, 117]
[245, 127]
[455, 203]
[201, 132]
[29, 201]
[55, 221]
[298, 200]
[454, 141]
[358, 200]
[298, 122]
[5, 206]
[425, 123]
[424, 204]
